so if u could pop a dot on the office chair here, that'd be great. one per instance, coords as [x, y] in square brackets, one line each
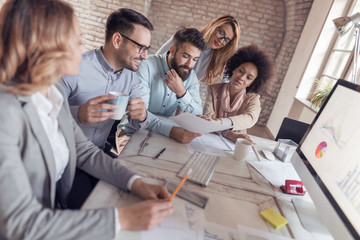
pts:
[292, 129]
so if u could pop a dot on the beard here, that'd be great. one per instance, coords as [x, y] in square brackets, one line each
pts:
[179, 69]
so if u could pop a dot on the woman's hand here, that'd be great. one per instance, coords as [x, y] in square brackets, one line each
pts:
[234, 136]
[215, 120]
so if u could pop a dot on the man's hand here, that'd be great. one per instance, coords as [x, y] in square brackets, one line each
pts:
[183, 136]
[215, 120]
[137, 110]
[150, 191]
[89, 112]
[144, 215]
[175, 83]
[234, 136]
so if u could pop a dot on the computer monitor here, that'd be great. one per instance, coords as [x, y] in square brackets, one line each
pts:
[328, 161]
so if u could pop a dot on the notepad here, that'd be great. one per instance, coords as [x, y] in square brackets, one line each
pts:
[274, 218]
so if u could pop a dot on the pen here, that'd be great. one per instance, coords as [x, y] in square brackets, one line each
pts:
[180, 185]
[145, 142]
[257, 155]
[158, 155]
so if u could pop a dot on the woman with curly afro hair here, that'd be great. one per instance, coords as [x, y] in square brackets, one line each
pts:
[237, 103]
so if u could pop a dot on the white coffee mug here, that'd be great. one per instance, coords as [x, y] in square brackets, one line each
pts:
[242, 149]
[121, 101]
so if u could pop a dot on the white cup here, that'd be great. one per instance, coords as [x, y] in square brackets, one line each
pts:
[121, 101]
[242, 148]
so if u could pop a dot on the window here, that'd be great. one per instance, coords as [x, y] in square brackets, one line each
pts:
[340, 62]
[332, 57]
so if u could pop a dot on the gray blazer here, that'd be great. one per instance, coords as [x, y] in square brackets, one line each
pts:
[27, 176]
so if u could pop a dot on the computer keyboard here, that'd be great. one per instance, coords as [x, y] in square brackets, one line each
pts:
[202, 168]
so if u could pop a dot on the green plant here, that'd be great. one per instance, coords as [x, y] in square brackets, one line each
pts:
[320, 96]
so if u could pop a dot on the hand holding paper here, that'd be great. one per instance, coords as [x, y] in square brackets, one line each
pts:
[183, 136]
[214, 120]
[196, 124]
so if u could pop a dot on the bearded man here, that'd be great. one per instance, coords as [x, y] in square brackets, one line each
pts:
[168, 84]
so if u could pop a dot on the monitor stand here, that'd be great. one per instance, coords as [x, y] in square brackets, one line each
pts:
[308, 216]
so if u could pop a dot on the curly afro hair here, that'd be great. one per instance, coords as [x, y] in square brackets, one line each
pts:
[261, 60]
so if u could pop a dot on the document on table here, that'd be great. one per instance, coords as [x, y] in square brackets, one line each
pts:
[152, 144]
[214, 231]
[187, 222]
[228, 143]
[195, 124]
[209, 143]
[247, 233]
[276, 172]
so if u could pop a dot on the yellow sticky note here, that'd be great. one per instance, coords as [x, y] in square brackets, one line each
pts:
[274, 218]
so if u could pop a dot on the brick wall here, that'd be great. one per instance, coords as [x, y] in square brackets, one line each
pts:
[275, 25]
[296, 12]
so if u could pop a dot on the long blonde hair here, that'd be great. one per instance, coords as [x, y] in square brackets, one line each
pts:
[222, 55]
[33, 44]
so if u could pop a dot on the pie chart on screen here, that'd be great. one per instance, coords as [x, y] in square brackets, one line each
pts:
[320, 150]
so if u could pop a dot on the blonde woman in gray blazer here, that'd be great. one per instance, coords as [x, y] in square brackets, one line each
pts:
[40, 143]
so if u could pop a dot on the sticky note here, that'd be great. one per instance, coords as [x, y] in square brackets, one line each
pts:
[274, 218]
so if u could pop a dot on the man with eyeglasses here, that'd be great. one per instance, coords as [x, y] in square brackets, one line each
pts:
[110, 68]
[168, 83]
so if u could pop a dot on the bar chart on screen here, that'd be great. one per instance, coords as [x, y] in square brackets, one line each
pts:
[350, 186]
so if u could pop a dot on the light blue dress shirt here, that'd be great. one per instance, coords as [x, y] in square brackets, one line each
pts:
[96, 77]
[200, 66]
[159, 99]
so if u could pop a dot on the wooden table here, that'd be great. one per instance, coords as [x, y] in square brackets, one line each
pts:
[236, 188]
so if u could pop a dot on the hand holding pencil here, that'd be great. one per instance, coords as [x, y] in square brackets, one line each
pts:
[180, 185]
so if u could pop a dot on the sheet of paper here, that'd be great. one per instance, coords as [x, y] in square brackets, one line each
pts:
[276, 172]
[229, 143]
[214, 231]
[247, 233]
[209, 143]
[187, 222]
[153, 143]
[195, 124]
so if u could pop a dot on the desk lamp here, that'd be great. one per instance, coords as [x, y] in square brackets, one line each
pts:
[343, 25]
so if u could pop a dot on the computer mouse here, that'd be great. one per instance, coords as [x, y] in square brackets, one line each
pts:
[269, 155]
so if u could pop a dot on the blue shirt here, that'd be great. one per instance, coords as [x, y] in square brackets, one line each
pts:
[158, 97]
[96, 77]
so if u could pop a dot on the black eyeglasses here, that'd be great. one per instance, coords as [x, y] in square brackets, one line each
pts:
[220, 34]
[142, 48]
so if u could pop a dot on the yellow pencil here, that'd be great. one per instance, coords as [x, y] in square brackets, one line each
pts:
[180, 185]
